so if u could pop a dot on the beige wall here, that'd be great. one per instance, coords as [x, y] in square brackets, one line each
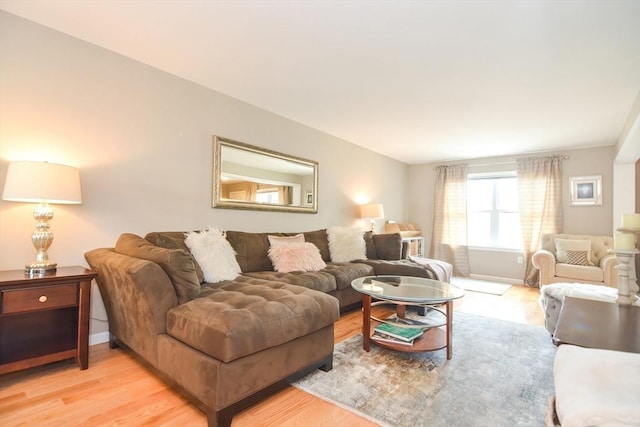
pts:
[627, 154]
[142, 140]
[580, 220]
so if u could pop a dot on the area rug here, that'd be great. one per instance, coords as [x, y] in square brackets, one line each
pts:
[483, 286]
[500, 375]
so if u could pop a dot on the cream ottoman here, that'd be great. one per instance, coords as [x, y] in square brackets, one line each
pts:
[552, 296]
[595, 387]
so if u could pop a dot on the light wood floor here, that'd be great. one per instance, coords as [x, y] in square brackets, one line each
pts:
[117, 391]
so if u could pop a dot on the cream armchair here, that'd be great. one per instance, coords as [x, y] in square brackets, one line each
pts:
[554, 270]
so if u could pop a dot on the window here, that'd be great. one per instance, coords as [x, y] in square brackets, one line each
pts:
[493, 219]
[268, 195]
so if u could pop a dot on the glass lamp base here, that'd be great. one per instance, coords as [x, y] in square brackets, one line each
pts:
[40, 268]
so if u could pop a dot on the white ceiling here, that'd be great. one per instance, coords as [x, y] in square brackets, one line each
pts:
[418, 81]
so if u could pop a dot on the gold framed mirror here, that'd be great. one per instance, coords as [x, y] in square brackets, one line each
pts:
[249, 177]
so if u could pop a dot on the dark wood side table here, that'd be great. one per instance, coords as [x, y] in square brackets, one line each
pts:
[598, 324]
[44, 319]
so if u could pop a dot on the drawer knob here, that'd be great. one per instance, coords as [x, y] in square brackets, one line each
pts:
[43, 298]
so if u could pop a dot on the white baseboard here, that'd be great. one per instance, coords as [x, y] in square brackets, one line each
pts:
[98, 338]
[496, 279]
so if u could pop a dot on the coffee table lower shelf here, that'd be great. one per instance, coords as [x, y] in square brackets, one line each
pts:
[431, 340]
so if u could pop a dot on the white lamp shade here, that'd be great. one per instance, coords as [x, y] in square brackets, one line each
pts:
[36, 182]
[372, 211]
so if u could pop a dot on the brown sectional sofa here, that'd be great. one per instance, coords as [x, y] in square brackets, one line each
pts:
[226, 345]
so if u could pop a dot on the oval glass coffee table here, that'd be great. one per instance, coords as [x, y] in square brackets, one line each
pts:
[406, 291]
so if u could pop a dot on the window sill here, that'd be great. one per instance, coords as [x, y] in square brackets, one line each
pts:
[494, 249]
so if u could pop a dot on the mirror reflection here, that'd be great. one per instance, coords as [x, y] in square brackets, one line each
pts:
[250, 177]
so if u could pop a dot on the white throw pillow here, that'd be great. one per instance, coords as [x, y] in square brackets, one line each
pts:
[285, 240]
[296, 256]
[214, 254]
[346, 244]
[564, 245]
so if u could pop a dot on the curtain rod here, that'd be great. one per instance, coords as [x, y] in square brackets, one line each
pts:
[500, 163]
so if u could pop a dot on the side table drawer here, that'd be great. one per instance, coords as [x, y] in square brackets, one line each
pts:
[42, 298]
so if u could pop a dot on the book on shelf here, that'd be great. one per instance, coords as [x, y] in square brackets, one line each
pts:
[408, 321]
[389, 339]
[399, 332]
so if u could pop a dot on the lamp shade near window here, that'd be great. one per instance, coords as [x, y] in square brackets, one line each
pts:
[42, 183]
[372, 211]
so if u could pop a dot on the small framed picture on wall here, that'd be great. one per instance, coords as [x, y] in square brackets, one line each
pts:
[586, 190]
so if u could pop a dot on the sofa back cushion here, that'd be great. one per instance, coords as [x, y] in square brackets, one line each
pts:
[321, 240]
[174, 240]
[176, 263]
[252, 248]
[386, 246]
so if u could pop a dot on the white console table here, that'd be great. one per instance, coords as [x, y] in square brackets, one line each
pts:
[416, 246]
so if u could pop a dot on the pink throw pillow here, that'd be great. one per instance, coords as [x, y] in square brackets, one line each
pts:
[296, 257]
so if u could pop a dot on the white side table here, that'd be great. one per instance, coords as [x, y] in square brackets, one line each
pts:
[627, 289]
[627, 285]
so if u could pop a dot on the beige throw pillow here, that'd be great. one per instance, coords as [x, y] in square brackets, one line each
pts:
[285, 240]
[564, 245]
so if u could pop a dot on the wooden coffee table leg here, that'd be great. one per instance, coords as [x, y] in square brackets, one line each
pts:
[449, 312]
[401, 311]
[366, 321]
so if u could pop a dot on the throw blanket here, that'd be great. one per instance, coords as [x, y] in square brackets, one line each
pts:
[443, 270]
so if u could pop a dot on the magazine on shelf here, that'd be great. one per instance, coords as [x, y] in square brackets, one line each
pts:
[409, 322]
[388, 338]
[399, 332]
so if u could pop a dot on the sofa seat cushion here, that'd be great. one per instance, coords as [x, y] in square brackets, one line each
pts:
[316, 280]
[580, 272]
[238, 318]
[345, 272]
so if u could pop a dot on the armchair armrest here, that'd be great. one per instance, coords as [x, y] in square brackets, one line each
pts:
[545, 261]
[608, 265]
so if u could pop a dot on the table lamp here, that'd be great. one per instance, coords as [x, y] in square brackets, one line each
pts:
[372, 211]
[42, 183]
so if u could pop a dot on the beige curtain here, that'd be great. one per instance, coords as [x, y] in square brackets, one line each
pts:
[449, 240]
[252, 190]
[285, 195]
[540, 204]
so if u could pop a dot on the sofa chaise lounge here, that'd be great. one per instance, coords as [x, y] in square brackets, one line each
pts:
[228, 344]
